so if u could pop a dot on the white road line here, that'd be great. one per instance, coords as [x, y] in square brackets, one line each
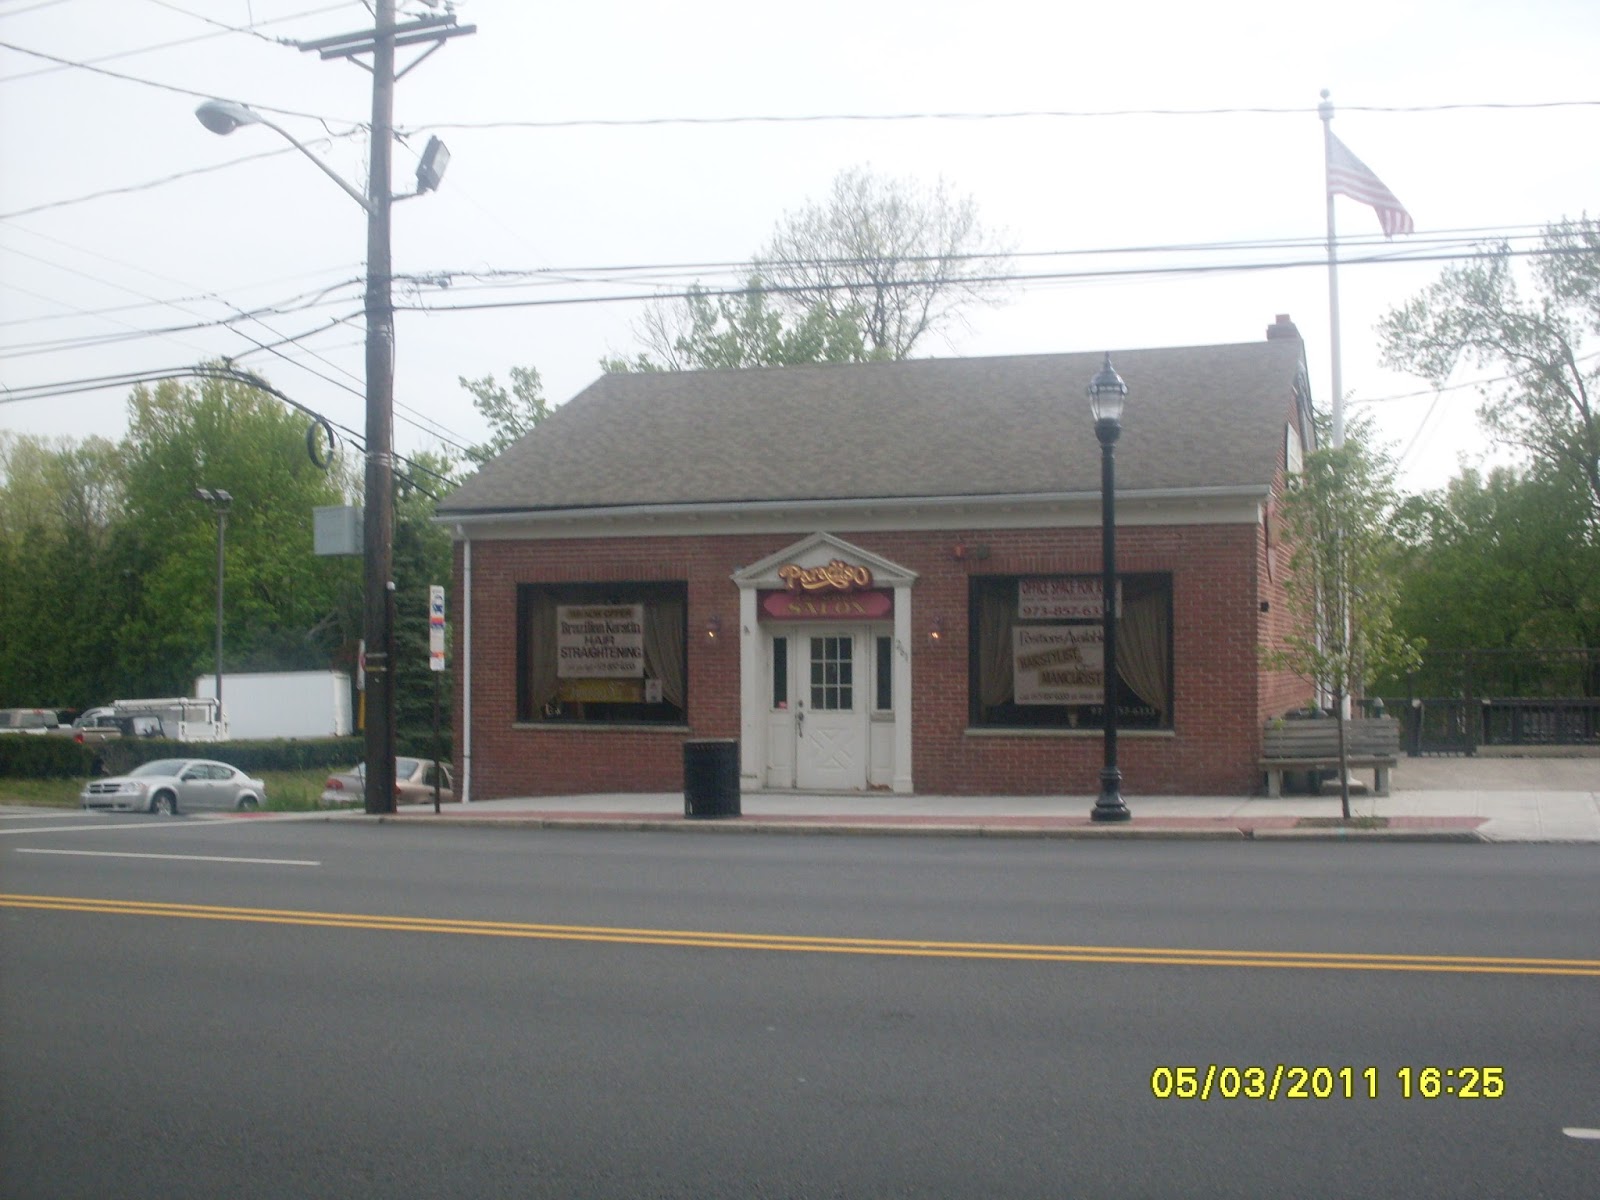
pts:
[1588, 1135]
[37, 816]
[268, 862]
[92, 823]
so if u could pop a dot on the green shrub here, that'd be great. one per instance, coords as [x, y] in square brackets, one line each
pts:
[26, 756]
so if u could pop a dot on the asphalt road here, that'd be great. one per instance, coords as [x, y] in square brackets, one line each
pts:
[312, 1009]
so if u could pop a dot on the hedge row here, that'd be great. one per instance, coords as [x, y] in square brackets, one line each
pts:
[25, 756]
[32, 756]
[28, 757]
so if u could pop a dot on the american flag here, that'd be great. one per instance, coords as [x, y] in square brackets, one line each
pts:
[1349, 176]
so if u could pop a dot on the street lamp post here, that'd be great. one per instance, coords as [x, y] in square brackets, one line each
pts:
[1106, 395]
[219, 501]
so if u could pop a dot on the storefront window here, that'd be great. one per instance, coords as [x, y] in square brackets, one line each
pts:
[612, 653]
[1038, 654]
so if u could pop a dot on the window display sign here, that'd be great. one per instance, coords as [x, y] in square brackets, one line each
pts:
[1063, 598]
[600, 641]
[601, 691]
[1058, 664]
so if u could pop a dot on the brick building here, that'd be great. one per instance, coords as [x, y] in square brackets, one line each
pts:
[880, 576]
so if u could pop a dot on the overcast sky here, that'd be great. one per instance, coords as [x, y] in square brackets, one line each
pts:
[88, 285]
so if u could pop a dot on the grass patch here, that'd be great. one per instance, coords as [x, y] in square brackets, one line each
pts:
[1341, 823]
[41, 793]
[287, 791]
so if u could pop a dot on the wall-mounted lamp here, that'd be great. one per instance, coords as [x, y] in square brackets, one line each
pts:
[713, 627]
[936, 630]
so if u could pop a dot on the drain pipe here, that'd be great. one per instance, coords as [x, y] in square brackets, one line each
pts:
[466, 668]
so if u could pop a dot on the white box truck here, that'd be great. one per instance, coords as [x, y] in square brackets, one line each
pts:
[282, 704]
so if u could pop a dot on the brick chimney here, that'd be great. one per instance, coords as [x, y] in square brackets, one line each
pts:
[1282, 328]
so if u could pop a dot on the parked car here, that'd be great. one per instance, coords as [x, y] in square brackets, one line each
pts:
[28, 720]
[413, 784]
[173, 785]
[106, 724]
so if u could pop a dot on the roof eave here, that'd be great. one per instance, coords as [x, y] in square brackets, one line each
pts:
[1228, 504]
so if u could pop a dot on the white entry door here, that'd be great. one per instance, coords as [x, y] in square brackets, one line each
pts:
[831, 711]
[821, 698]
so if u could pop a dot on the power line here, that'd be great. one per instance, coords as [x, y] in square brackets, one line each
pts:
[999, 279]
[252, 28]
[1456, 245]
[73, 387]
[165, 179]
[279, 308]
[33, 8]
[165, 87]
[1014, 115]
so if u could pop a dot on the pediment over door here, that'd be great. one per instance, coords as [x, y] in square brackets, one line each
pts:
[817, 552]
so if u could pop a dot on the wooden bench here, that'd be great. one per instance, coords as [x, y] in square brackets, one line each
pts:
[1313, 745]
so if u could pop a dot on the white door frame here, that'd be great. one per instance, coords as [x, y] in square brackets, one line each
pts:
[790, 753]
[755, 694]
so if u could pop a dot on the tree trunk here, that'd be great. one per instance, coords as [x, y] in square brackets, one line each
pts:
[1344, 758]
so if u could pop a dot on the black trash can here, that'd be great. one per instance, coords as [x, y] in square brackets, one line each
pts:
[711, 778]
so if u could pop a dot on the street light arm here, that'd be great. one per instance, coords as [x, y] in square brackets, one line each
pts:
[223, 117]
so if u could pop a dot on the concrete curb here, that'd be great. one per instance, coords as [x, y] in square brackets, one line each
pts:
[957, 829]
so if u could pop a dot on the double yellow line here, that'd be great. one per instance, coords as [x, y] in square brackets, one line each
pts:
[894, 947]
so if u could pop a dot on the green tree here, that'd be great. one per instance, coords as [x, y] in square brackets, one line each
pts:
[62, 581]
[866, 274]
[902, 258]
[422, 558]
[511, 414]
[1548, 404]
[1498, 562]
[1341, 581]
[710, 333]
[283, 602]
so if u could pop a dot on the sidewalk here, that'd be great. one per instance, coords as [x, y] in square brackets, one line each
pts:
[1500, 800]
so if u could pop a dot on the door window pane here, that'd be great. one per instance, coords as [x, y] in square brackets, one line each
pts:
[832, 674]
[780, 672]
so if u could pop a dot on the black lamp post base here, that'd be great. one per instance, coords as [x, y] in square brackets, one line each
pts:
[1109, 806]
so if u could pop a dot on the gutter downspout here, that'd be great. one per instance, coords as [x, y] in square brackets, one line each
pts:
[466, 669]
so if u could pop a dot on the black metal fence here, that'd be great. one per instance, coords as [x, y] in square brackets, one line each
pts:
[1463, 699]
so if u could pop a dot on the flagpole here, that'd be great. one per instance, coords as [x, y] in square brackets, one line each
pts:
[1325, 111]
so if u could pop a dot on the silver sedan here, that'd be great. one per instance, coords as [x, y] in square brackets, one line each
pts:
[173, 785]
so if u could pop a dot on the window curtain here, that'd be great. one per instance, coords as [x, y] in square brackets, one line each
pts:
[540, 639]
[1142, 647]
[996, 669]
[664, 648]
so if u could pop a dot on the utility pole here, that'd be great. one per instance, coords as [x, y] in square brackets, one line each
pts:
[378, 538]
[378, 527]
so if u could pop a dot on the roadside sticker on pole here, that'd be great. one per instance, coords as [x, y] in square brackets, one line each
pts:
[436, 628]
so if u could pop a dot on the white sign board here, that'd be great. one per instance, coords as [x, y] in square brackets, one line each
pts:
[600, 641]
[436, 628]
[1070, 598]
[1058, 664]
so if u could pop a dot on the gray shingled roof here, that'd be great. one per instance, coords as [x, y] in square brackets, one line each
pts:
[1206, 416]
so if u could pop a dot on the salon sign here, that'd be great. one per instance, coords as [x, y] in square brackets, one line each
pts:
[600, 641]
[836, 576]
